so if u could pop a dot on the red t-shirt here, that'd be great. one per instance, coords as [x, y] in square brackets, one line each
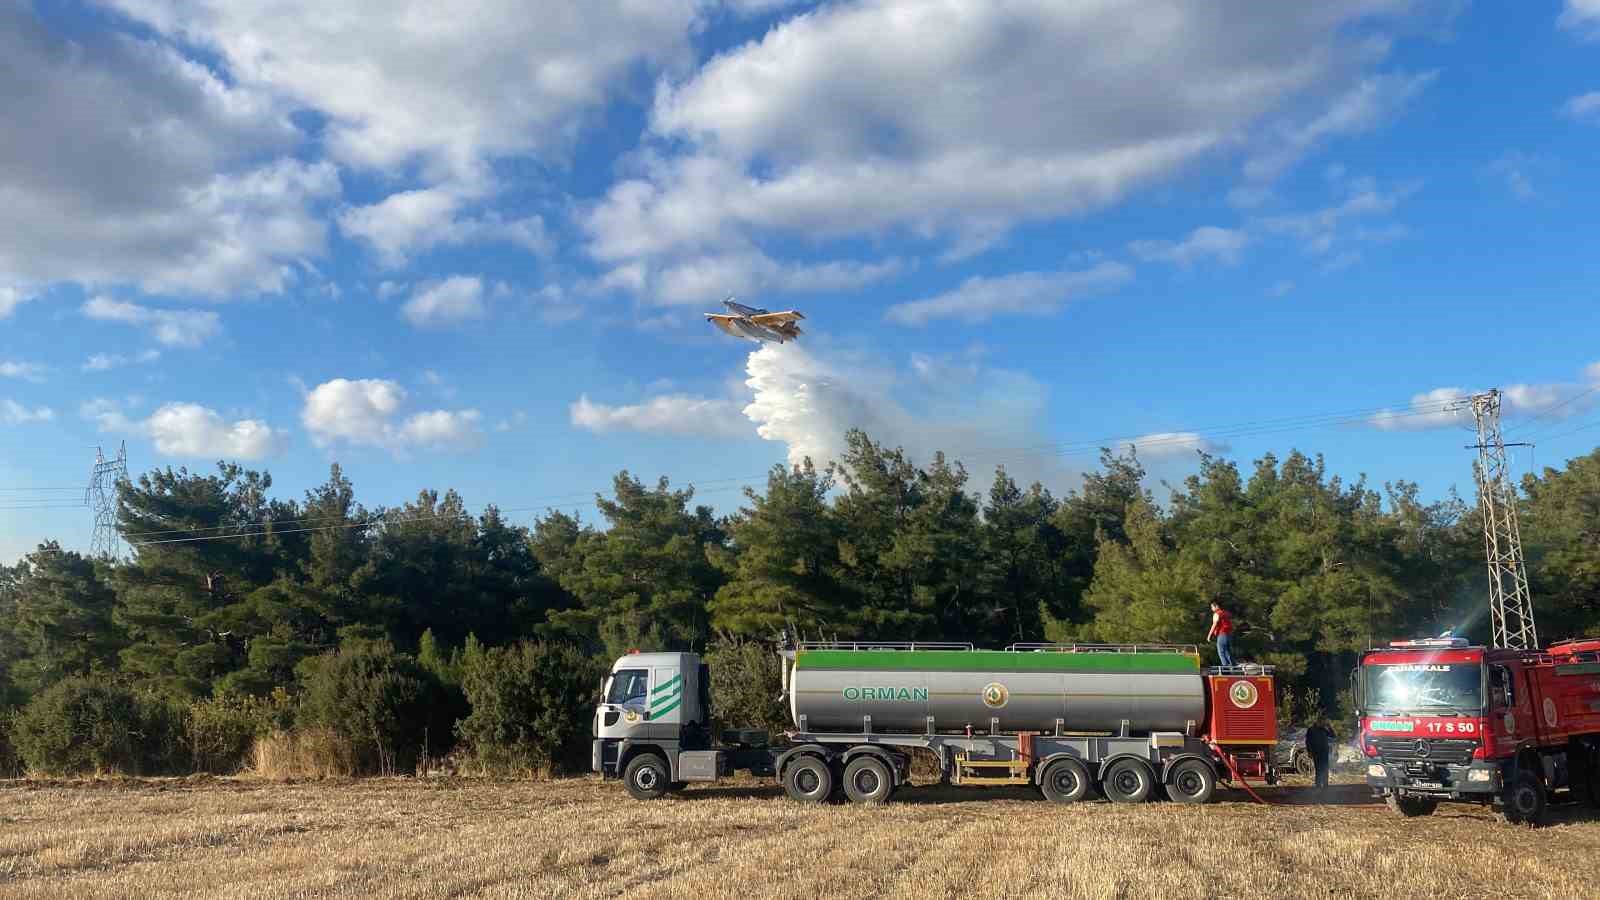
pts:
[1224, 622]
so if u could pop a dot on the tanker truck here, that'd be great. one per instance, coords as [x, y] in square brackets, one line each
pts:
[1128, 721]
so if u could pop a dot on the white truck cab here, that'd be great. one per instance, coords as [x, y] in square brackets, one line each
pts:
[652, 725]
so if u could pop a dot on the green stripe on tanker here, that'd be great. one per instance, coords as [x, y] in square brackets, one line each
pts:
[998, 661]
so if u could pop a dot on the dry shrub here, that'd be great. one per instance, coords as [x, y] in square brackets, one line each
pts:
[304, 753]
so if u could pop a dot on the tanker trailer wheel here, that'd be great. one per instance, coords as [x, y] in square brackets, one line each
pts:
[1193, 781]
[1128, 781]
[1524, 799]
[867, 780]
[809, 780]
[1065, 781]
[646, 776]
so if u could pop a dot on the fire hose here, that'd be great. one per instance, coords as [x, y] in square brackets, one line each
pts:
[1228, 760]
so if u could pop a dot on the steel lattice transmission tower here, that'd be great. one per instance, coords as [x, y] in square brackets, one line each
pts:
[101, 496]
[1510, 607]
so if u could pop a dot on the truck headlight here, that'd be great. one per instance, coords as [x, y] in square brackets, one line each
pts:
[1479, 775]
[1376, 771]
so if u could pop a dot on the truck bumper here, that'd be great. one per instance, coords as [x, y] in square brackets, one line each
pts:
[1477, 781]
[600, 759]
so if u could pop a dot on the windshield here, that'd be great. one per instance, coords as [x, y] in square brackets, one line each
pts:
[627, 686]
[1421, 686]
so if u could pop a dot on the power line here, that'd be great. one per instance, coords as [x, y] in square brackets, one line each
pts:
[1178, 437]
[1562, 405]
[1562, 434]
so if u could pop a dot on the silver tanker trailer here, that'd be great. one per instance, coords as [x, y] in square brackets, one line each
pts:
[1128, 720]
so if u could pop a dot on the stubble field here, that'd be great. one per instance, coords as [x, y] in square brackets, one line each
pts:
[580, 838]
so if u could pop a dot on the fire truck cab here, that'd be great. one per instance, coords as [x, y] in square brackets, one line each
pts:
[1443, 720]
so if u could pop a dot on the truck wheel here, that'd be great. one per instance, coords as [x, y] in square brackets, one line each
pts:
[1065, 781]
[646, 776]
[808, 779]
[1192, 781]
[867, 780]
[1524, 800]
[1128, 781]
[1411, 807]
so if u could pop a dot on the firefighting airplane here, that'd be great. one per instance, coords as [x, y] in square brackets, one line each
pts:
[757, 324]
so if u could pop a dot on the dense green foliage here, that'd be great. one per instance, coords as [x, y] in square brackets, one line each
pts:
[531, 706]
[392, 626]
[390, 708]
[746, 686]
[86, 725]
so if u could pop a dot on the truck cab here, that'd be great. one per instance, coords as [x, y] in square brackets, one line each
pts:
[653, 706]
[1443, 720]
[1424, 722]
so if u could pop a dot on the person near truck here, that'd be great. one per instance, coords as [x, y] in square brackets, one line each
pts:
[1222, 630]
[1319, 743]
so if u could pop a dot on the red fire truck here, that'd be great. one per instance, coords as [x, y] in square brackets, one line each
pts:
[1443, 720]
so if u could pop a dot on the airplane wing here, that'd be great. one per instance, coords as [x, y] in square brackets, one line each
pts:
[726, 323]
[777, 318]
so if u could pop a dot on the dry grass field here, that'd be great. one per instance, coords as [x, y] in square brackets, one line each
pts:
[579, 838]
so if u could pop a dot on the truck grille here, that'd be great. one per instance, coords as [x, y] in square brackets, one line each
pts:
[1424, 750]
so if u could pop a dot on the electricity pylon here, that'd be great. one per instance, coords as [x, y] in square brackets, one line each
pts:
[101, 496]
[1510, 606]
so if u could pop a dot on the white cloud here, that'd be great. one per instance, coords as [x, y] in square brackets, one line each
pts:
[432, 83]
[1032, 293]
[24, 370]
[369, 412]
[808, 130]
[190, 430]
[356, 412]
[173, 328]
[409, 222]
[1582, 16]
[682, 415]
[141, 166]
[760, 7]
[1584, 107]
[454, 300]
[1515, 170]
[441, 428]
[101, 362]
[14, 413]
[808, 401]
[1322, 229]
[1366, 105]
[1447, 406]
[1170, 445]
[704, 279]
[512, 422]
[10, 299]
[1221, 244]
[1281, 288]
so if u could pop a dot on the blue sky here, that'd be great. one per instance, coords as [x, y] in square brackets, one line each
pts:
[472, 250]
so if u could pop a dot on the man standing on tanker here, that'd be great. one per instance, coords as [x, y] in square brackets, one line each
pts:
[1222, 630]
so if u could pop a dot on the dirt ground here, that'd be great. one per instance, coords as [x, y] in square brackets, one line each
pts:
[582, 838]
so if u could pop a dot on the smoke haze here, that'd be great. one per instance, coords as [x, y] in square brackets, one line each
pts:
[980, 416]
